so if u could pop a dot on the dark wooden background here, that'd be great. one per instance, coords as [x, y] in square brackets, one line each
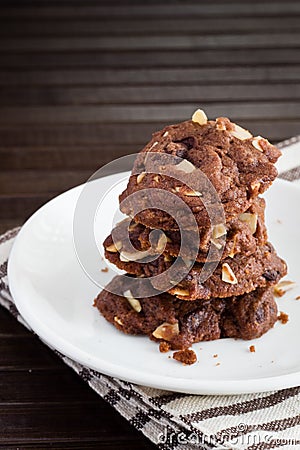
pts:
[83, 82]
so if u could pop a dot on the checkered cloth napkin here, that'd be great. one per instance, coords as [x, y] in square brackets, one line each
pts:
[184, 422]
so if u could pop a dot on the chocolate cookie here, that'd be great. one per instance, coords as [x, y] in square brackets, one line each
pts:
[232, 276]
[215, 153]
[241, 235]
[180, 323]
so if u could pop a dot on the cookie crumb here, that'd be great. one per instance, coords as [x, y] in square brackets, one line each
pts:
[218, 364]
[283, 317]
[105, 269]
[164, 347]
[282, 287]
[216, 355]
[298, 297]
[186, 356]
[252, 348]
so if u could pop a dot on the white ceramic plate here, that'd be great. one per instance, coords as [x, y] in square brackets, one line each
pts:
[55, 296]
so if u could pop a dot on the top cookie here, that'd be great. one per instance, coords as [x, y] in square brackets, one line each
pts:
[209, 156]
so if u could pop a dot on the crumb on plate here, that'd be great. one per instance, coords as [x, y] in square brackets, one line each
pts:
[186, 356]
[282, 287]
[283, 317]
[164, 347]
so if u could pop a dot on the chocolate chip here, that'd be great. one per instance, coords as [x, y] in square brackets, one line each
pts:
[260, 315]
[270, 275]
[189, 142]
[177, 149]
[193, 320]
[182, 153]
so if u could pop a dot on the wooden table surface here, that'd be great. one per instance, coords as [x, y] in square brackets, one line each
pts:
[83, 82]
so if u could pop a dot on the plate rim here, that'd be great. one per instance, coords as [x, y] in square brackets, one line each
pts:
[200, 386]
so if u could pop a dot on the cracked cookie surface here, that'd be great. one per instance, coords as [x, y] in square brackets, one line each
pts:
[239, 169]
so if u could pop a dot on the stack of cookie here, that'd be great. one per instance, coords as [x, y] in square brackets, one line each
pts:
[225, 268]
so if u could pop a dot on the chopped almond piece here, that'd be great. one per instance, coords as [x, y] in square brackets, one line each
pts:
[219, 230]
[200, 117]
[115, 247]
[140, 177]
[181, 292]
[134, 303]
[118, 321]
[166, 331]
[228, 274]
[240, 133]
[250, 219]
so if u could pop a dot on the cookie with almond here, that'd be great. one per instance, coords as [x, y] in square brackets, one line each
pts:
[179, 324]
[241, 235]
[231, 276]
[205, 164]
